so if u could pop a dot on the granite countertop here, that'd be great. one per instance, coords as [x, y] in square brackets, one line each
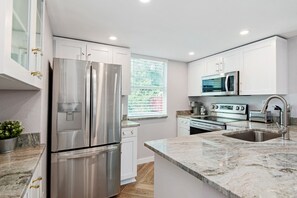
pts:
[16, 170]
[234, 167]
[128, 123]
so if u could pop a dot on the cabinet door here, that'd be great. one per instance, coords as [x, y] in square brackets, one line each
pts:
[232, 61]
[183, 132]
[128, 159]
[20, 39]
[213, 65]
[122, 57]
[99, 53]
[36, 41]
[195, 71]
[70, 49]
[259, 69]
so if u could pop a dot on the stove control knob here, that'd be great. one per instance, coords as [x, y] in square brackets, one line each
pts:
[217, 106]
[213, 106]
[237, 108]
[242, 108]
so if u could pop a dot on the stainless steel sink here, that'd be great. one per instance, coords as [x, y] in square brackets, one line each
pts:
[253, 135]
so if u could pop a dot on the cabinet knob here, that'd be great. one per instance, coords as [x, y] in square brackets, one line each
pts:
[37, 74]
[132, 132]
[36, 50]
[124, 133]
[38, 179]
[89, 54]
[82, 53]
[36, 186]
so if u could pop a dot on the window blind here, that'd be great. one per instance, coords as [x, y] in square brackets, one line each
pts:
[148, 88]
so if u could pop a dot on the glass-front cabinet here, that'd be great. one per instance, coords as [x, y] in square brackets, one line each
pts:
[21, 41]
[37, 37]
[20, 37]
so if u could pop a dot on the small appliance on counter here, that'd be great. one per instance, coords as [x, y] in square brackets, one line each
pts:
[257, 116]
[196, 108]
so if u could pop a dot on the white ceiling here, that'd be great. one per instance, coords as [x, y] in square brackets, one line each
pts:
[171, 28]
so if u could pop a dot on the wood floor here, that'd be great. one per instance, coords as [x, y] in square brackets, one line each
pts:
[144, 185]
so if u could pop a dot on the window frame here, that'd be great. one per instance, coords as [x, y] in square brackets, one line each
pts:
[165, 88]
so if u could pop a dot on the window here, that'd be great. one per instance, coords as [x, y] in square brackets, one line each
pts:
[148, 88]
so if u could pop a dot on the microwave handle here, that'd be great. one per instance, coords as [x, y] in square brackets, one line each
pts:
[226, 83]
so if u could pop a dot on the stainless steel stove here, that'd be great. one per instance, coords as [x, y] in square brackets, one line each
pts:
[220, 114]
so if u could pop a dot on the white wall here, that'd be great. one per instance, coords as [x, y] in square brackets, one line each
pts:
[30, 107]
[255, 102]
[176, 100]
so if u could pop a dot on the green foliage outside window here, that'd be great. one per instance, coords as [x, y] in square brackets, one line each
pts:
[148, 84]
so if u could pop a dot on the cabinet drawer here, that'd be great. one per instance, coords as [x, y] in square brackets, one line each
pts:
[129, 132]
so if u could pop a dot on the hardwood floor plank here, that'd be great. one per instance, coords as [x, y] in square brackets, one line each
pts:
[144, 185]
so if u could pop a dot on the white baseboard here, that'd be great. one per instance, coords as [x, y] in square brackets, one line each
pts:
[145, 160]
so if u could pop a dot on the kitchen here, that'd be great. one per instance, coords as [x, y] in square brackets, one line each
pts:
[182, 51]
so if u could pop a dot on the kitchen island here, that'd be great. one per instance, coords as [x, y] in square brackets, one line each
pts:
[213, 165]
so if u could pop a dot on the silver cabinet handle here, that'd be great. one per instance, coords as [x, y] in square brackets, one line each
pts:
[89, 54]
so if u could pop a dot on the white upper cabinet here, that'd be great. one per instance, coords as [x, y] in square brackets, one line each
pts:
[80, 50]
[265, 68]
[196, 70]
[21, 41]
[99, 53]
[122, 56]
[262, 66]
[70, 49]
[213, 65]
[225, 62]
[231, 61]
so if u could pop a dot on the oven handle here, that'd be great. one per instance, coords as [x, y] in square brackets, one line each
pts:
[226, 82]
[205, 127]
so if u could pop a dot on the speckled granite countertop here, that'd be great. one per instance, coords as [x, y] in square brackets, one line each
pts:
[128, 123]
[234, 167]
[16, 170]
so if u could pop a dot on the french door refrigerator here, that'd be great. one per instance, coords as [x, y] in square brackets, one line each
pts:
[86, 125]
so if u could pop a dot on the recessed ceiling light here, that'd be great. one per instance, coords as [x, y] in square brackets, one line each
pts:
[113, 38]
[244, 32]
[191, 53]
[145, 1]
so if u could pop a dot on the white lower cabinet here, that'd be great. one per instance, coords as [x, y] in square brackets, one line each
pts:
[183, 126]
[36, 187]
[129, 155]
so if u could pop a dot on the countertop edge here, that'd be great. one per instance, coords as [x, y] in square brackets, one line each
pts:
[194, 173]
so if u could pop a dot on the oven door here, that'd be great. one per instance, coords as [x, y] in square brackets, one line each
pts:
[219, 85]
[200, 127]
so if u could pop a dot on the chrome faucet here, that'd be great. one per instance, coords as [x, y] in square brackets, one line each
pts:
[283, 129]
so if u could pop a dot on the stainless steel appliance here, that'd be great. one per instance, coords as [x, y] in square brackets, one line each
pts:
[224, 84]
[196, 106]
[86, 129]
[220, 114]
[257, 116]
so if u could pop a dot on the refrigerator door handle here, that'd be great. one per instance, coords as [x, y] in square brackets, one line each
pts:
[93, 103]
[87, 101]
[88, 154]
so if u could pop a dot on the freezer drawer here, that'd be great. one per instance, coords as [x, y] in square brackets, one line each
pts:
[87, 173]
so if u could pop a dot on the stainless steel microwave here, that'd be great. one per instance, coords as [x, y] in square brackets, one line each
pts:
[225, 84]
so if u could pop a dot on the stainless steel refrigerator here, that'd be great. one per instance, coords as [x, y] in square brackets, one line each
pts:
[86, 125]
